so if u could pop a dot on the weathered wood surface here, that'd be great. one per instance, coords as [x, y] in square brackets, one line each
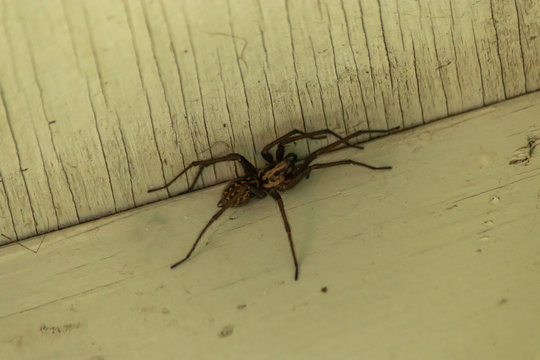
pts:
[437, 258]
[101, 100]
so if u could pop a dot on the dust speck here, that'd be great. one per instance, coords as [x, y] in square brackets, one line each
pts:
[324, 289]
[226, 331]
[495, 200]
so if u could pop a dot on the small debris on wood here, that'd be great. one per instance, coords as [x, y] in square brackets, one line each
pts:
[523, 154]
[241, 307]
[226, 331]
[324, 289]
[495, 200]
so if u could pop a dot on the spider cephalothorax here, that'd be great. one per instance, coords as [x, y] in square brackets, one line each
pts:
[274, 175]
[279, 174]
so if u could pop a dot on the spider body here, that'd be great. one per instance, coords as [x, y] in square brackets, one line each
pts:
[274, 175]
[239, 191]
[278, 174]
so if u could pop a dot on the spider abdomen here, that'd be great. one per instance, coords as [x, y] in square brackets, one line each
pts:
[238, 192]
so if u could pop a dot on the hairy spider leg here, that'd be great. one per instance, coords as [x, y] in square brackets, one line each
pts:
[265, 151]
[305, 172]
[286, 139]
[212, 219]
[277, 197]
[248, 168]
[224, 206]
[332, 147]
[356, 144]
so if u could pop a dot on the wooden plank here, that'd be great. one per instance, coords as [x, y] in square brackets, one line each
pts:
[437, 258]
[102, 100]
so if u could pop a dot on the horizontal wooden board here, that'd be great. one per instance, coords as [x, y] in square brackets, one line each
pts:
[437, 258]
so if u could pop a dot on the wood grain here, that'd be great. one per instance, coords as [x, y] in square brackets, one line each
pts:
[101, 100]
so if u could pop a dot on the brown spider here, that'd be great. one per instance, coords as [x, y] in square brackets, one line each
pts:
[279, 174]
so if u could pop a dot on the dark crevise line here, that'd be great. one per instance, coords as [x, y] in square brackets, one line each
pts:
[94, 54]
[48, 181]
[9, 206]
[390, 72]
[8, 120]
[479, 65]
[455, 53]
[271, 100]
[417, 82]
[162, 84]
[144, 88]
[259, 7]
[503, 79]
[69, 26]
[101, 143]
[180, 83]
[241, 72]
[399, 25]
[197, 73]
[439, 68]
[336, 73]
[373, 82]
[521, 48]
[318, 81]
[128, 162]
[355, 63]
[233, 138]
[295, 69]
[48, 120]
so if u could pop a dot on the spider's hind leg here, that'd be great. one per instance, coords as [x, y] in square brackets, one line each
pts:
[214, 218]
[277, 197]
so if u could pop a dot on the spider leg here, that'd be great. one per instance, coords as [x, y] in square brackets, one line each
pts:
[284, 140]
[306, 172]
[357, 144]
[248, 168]
[347, 162]
[277, 197]
[319, 134]
[334, 146]
[214, 218]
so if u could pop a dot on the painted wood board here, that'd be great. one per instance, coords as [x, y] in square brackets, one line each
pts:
[437, 258]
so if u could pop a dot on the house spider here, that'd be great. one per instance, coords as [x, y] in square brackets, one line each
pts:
[279, 174]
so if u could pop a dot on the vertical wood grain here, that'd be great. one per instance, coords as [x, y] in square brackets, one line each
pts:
[102, 100]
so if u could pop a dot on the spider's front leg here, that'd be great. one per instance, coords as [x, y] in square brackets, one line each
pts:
[277, 197]
[295, 135]
[249, 169]
[342, 141]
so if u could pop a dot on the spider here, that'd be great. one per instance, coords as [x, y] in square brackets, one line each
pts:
[278, 174]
